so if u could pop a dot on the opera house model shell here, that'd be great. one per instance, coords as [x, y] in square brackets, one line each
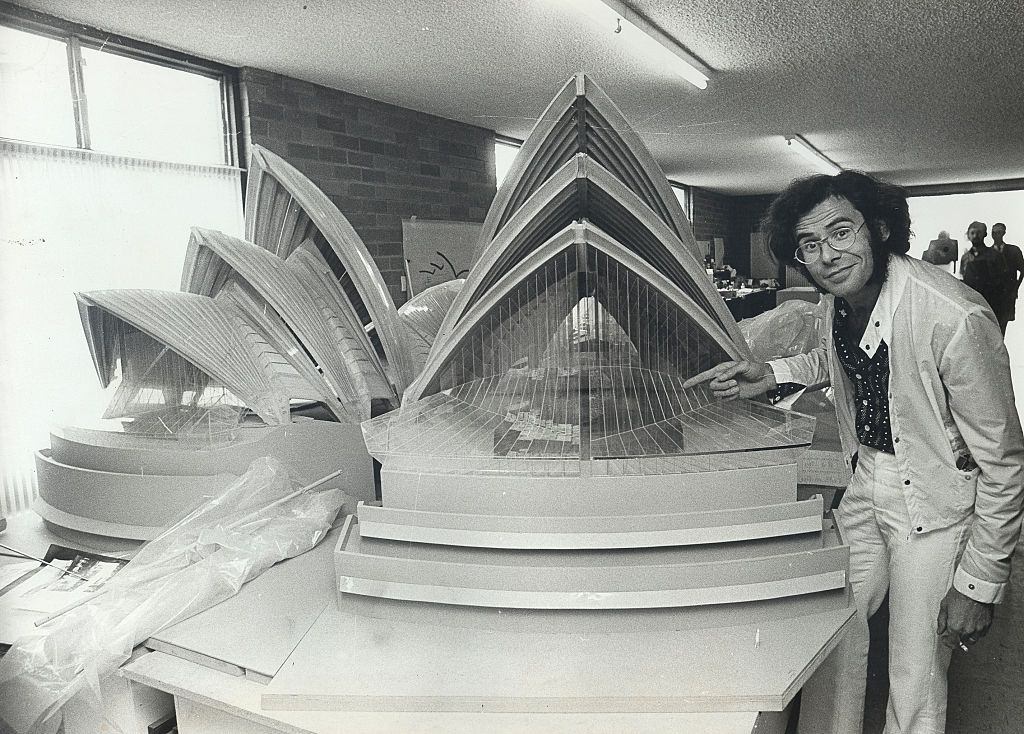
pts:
[267, 332]
[564, 528]
[555, 383]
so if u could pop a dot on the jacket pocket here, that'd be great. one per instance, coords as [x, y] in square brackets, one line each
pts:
[964, 483]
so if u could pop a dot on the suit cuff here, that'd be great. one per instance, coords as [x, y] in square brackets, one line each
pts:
[980, 590]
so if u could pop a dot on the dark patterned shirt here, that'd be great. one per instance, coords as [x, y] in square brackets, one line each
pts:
[870, 378]
[783, 390]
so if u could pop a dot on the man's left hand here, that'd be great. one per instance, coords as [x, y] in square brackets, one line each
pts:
[962, 620]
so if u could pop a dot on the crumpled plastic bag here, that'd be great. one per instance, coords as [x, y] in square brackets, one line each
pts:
[785, 331]
[197, 563]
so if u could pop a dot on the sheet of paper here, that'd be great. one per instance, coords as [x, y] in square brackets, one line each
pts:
[11, 572]
[51, 588]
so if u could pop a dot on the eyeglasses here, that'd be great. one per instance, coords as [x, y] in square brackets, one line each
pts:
[840, 240]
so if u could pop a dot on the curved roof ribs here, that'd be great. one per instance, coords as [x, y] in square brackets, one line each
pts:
[429, 380]
[582, 119]
[291, 364]
[295, 300]
[580, 352]
[284, 209]
[584, 189]
[198, 330]
[350, 334]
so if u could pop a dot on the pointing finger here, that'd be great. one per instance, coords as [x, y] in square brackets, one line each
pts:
[717, 371]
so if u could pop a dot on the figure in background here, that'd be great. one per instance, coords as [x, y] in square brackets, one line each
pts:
[1014, 266]
[922, 390]
[985, 270]
[942, 251]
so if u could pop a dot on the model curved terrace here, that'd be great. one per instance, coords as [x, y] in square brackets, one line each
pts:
[284, 209]
[175, 351]
[582, 119]
[422, 316]
[317, 319]
[583, 189]
[578, 354]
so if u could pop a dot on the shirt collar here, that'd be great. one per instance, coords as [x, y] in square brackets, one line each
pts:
[879, 326]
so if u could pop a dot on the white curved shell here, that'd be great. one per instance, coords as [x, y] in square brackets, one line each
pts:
[284, 209]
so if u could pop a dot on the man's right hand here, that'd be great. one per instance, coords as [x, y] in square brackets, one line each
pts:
[731, 380]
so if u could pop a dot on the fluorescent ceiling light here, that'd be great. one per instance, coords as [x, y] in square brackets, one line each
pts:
[636, 31]
[812, 154]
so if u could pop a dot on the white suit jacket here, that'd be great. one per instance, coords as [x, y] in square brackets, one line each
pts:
[950, 396]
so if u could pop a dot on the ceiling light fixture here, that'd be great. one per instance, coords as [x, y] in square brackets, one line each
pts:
[812, 154]
[635, 30]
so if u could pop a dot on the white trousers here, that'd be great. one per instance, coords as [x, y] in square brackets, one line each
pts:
[917, 571]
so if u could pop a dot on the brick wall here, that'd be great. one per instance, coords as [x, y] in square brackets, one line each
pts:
[377, 162]
[731, 217]
[714, 215]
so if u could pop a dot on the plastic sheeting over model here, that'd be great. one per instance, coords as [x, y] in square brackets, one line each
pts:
[199, 561]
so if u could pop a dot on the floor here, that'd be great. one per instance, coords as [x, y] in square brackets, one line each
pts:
[986, 685]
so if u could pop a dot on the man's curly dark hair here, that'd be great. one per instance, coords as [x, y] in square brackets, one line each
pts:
[879, 203]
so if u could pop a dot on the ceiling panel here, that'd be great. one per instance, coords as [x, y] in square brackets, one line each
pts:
[922, 92]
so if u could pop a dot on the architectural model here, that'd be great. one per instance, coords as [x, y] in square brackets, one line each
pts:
[564, 527]
[209, 378]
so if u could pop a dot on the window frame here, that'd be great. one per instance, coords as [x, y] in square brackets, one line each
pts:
[76, 36]
[508, 142]
[687, 202]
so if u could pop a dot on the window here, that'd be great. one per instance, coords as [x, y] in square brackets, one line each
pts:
[110, 152]
[35, 89]
[77, 91]
[151, 111]
[504, 154]
[682, 193]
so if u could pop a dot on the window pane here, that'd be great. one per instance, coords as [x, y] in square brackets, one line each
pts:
[504, 154]
[35, 89]
[150, 111]
[681, 196]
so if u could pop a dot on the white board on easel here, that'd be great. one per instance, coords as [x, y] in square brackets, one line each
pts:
[436, 251]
